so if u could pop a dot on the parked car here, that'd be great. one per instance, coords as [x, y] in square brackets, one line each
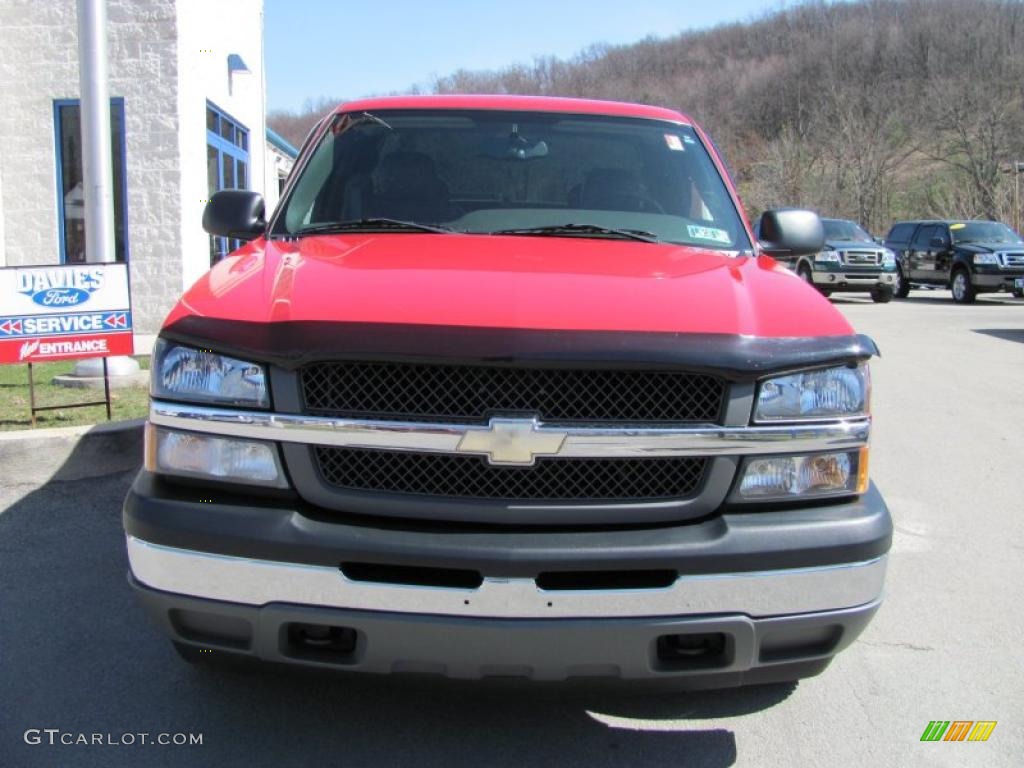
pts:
[504, 387]
[968, 257]
[851, 261]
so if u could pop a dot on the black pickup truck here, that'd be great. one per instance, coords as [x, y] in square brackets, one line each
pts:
[968, 257]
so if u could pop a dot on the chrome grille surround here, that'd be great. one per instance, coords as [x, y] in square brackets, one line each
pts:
[639, 473]
[598, 441]
[861, 258]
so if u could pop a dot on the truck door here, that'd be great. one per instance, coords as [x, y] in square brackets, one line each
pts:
[920, 269]
[941, 252]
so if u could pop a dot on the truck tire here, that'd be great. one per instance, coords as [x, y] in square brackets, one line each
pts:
[902, 284]
[963, 291]
[881, 294]
[804, 273]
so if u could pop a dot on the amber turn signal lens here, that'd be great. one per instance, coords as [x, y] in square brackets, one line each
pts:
[149, 447]
[862, 470]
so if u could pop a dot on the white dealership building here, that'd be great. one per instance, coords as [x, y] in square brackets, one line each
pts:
[188, 97]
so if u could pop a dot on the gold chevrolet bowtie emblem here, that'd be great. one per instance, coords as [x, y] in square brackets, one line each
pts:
[512, 441]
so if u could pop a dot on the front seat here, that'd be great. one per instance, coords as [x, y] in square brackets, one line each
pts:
[407, 187]
[613, 189]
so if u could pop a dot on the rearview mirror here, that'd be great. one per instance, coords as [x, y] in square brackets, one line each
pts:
[514, 147]
[791, 232]
[235, 213]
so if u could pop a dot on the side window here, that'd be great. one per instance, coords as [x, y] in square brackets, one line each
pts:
[227, 166]
[942, 232]
[71, 199]
[923, 237]
[900, 235]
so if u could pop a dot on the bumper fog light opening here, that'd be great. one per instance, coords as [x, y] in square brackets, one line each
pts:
[320, 642]
[701, 650]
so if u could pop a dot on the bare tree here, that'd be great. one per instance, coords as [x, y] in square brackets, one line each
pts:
[873, 110]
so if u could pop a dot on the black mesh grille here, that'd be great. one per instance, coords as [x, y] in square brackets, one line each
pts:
[473, 477]
[473, 393]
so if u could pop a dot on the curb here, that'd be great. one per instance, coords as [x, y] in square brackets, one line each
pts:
[140, 379]
[71, 453]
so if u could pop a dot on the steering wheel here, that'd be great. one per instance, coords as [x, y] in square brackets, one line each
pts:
[626, 201]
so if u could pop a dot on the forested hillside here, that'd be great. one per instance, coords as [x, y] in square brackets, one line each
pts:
[873, 110]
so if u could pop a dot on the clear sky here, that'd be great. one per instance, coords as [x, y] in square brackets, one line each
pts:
[351, 48]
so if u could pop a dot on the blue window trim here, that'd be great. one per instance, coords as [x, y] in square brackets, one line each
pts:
[238, 154]
[115, 101]
[221, 144]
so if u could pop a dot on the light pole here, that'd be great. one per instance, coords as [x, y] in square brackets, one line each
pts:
[97, 174]
[1017, 168]
[97, 170]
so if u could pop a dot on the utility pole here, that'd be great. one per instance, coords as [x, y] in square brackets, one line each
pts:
[97, 168]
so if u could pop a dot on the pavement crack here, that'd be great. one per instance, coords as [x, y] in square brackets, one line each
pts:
[908, 646]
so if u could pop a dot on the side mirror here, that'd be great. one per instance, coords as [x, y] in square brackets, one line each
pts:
[791, 232]
[235, 213]
[937, 242]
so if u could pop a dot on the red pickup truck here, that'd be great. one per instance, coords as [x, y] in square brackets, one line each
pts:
[505, 387]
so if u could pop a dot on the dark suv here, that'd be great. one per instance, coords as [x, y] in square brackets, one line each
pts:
[851, 261]
[969, 257]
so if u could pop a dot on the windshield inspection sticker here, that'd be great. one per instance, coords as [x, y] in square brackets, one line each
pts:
[957, 226]
[708, 233]
[673, 142]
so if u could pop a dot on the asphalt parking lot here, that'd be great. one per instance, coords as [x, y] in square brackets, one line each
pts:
[77, 653]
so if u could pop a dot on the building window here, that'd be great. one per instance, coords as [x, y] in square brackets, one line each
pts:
[67, 119]
[227, 165]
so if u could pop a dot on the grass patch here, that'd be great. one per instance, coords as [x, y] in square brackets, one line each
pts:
[127, 403]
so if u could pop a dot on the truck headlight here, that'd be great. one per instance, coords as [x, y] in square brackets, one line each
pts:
[185, 373]
[827, 256]
[888, 259]
[773, 478]
[986, 258]
[210, 457]
[828, 393]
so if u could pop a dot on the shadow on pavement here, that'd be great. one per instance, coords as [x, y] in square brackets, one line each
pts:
[850, 299]
[78, 654]
[943, 298]
[1006, 334]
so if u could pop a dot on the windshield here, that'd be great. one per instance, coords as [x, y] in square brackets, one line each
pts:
[983, 232]
[487, 171]
[840, 229]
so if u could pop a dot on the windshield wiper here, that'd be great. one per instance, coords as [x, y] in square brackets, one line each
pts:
[589, 229]
[371, 224]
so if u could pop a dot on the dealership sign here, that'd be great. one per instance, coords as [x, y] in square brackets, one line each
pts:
[63, 312]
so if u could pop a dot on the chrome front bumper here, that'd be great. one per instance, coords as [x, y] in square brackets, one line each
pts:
[261, 582]
[850, 279]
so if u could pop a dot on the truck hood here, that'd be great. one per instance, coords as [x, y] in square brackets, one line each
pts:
[565, 283]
